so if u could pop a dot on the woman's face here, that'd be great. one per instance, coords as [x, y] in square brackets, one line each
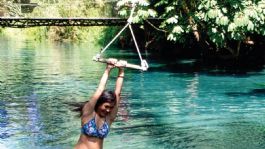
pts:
[105, 109]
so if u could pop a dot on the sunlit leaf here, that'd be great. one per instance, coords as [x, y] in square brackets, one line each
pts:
[212, 13]
[171, 37]
[177, 30]
[152, 13]
[143, 2]
[214, 30]
[224, 20]
[123, 12]
[172, 20]
[170, 8]
[250, 26]
[231, 27]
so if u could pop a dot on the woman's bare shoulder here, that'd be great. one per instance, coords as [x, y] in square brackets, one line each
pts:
[86, 118]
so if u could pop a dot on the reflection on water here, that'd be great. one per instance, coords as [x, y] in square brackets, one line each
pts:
[160, 108]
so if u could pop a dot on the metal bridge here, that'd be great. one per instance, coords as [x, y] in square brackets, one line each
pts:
[34, 22]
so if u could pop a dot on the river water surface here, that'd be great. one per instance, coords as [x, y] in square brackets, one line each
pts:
[162, 108]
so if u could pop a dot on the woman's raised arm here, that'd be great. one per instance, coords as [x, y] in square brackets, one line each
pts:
[89, 106]
[118, 88]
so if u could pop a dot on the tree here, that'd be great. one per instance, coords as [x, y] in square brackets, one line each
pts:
[216, 24]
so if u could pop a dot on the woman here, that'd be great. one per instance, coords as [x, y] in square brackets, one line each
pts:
[99, 113]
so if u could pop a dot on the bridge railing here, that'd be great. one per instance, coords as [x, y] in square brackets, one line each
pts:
[34, 22]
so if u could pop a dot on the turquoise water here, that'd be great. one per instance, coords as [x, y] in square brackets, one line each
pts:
[163, 108]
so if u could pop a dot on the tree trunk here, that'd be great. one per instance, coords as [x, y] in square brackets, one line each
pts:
[191, 22]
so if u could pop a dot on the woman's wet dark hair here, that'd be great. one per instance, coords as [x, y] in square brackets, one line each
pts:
[106, 96]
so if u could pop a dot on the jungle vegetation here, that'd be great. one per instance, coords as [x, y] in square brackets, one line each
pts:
[231, 28]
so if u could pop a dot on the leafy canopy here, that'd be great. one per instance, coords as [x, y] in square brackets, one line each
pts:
[214, 21]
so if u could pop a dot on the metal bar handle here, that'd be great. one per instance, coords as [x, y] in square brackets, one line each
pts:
[128, 65]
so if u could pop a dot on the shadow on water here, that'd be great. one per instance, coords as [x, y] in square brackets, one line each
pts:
[164, 134]
[253, 92]
[167, 134]
[171, 135]
[197, 65]
[183, 65]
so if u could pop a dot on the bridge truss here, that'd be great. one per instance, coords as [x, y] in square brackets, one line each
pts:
[34, 22]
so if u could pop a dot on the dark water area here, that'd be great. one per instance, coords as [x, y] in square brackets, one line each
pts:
[205, 58]
[178, 105]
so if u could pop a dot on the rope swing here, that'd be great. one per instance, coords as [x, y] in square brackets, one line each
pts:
[144, 65]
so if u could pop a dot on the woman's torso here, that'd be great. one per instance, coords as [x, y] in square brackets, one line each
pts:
[91, 138]
[87, 142]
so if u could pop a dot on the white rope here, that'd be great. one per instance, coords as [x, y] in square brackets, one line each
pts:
[114, 38]
[136, 45]
[144, 64]
[131, 15]
[129, 22]
[130, 27]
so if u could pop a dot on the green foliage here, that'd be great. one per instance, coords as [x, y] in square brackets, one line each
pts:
[142, 12]
[107, 35]
[217, 21]
[232, 19]
[66, 9]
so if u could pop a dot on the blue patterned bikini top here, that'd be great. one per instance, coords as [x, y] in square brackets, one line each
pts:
[90, 129]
